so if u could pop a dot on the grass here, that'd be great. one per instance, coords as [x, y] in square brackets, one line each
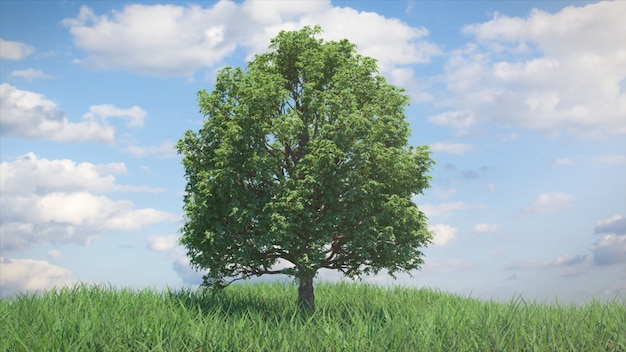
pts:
[264, 317]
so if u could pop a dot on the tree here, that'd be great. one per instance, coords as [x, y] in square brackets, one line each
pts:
[303, 161]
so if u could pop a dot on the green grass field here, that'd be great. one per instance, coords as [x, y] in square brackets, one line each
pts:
[264, 317]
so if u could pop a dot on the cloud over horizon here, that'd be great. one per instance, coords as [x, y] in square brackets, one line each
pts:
[29, 275]
[52, 201]
[566, 265]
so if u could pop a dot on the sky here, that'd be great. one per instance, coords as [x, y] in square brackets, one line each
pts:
[522, 102]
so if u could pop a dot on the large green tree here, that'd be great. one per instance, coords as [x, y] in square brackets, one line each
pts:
[303, 161]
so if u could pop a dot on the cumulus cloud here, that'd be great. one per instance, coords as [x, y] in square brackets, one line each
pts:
[30, 174]
[31, 115]
[404, 76]
[444, 234]
[30, 74]
[54, 254]
[445, 209]
[451, 148]
[164, 150]
[565, 264]
[28, 275]
[390, 41]
[14, 50]
[454, 119]
[549, 203]
[162, 243]
[86, 209]
[552, 73]
[157, 39]
[275, 11]
[610, 249]
[134, 116]
[51, 200]
[178, 40]
[77, 217]
[615, 225]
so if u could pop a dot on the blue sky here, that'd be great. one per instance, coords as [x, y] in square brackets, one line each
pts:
[522, 102]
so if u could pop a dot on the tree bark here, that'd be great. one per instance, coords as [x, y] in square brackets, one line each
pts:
[306, 297]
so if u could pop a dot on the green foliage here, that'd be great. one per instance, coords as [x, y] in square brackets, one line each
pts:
[304, 158]
[261, 317]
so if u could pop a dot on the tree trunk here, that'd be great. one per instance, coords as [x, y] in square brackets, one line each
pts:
[306, 298]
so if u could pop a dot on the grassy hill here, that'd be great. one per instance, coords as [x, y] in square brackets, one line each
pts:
[264, 317]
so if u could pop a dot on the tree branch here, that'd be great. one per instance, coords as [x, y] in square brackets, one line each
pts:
[253, 272]
[334, 249]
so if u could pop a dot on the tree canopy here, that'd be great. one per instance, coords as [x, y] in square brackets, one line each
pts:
[303, 163]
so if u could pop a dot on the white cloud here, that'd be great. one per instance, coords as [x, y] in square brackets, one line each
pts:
[162, 243]
[157, 39]
[51, 200]
[97, 212]
[30, 115]
[455, 119]
[485, 228]
[612, 159]
[452, 148]
[164, 150]
[27, 275]
[610, 249]
[548, 203]
[77, 217]
[566, 265]
[444, 234]
[569, 79]
[392, 42]
[134, 115]
[615, 225]
[30, 174]
[177, 40]
[444, 209]
[14, 50]
[404, 76]
[30, 74]
[566, 260]
[556, 32]
[274, 12]
[54, 254]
